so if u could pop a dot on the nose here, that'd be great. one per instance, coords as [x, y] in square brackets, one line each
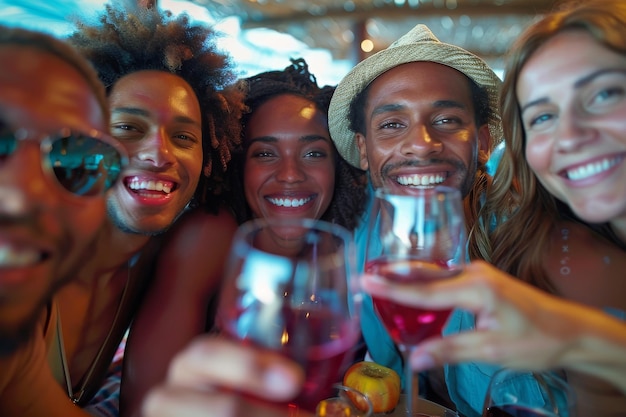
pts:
[573, 132]
[157, 148]
[419, 142]
[290, 170]
[24, 188]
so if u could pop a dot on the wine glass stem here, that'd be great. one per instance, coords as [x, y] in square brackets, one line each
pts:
[411, 382]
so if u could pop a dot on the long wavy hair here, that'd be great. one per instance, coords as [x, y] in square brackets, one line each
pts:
[524, 210]
[349, 196]
[132, 39]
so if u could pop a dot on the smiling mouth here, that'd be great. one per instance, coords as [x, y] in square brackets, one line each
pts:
[142, 185]
[11, 257]
[589, 170]
[417, 180]
[289, 202]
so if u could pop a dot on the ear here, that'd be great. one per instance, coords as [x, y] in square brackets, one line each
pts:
[484, 140]
[360, 143]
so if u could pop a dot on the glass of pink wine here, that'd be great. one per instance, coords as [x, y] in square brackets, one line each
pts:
[290, 286]
[415, 237]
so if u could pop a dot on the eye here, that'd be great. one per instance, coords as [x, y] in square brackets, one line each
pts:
[126, 131]
[608, 95]
[262, 154]
[123, 127]
[538, 120]
[391, 125]
[185, 140]
[448, 121]
[316, 154]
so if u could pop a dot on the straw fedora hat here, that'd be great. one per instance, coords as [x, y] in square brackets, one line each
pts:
[417, 45]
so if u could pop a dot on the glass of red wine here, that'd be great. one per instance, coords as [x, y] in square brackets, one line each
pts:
[516, 393]
[290, 287]
[415, 237]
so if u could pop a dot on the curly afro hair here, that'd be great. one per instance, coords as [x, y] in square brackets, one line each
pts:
[349, 196]
[130, 40]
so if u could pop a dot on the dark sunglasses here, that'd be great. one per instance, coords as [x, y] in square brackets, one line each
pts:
[85, 164]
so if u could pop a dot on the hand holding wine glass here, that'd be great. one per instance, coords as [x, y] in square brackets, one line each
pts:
[413, 238]
[289, 288]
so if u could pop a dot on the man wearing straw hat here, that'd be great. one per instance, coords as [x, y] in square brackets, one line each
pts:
[420, 113]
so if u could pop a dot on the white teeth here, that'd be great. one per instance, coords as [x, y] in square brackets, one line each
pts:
[150, 186]
[10, 257]
[289, 202]
[417, 179]
[589, 170]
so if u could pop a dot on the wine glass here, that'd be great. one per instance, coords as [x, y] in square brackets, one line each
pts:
[515, 393]
[290, 287]
[346, 402]
[414, 238]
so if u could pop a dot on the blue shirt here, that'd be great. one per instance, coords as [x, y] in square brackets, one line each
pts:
[380, 346]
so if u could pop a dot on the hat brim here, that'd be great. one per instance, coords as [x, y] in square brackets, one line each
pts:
[369, 69]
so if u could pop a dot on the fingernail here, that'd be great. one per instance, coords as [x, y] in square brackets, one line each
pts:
[422, 362]
[280, 380]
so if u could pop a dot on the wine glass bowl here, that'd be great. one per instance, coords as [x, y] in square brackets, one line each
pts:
[290, 287]
[418, 237]
[415, 238]
[516, 393]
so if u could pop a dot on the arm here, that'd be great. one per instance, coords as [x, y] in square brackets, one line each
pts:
[517, 325]
[196, 375]
[188, 272]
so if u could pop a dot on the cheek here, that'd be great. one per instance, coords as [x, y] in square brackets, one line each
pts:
[327, 179]
[538, 155]
[252, 179]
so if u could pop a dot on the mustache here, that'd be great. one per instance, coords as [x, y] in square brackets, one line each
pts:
[421, 164]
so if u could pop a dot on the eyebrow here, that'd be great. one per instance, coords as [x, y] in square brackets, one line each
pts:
[440, 104]
[141, 112]
[577, 85]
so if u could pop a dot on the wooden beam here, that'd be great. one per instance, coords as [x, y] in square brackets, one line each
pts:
[528, 8]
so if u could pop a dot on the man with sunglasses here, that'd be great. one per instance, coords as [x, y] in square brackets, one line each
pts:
[56, 163]
[171, 108]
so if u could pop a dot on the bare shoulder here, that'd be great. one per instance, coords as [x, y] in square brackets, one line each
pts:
[198, 229]
[585, 267]
[194, 251]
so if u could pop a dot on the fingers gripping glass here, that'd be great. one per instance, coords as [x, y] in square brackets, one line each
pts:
[85, 164]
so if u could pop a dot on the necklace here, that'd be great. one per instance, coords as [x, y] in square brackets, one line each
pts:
[78, 396]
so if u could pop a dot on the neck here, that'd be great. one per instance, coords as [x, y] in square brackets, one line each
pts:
[113, 250]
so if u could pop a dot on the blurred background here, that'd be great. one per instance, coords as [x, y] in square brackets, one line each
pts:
[332, 35]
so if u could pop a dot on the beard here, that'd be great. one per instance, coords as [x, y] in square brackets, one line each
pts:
[114, 214]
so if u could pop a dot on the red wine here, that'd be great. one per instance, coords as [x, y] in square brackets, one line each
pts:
[516, 411]
[409, 325]
[321, 341]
